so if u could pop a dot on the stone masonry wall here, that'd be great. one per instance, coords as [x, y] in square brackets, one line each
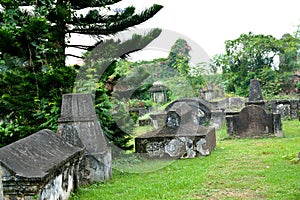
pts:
[287, 108]
[59, 186]
[62, 185]
[42, 166]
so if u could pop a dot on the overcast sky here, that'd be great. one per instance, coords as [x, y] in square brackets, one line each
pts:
[208, 23]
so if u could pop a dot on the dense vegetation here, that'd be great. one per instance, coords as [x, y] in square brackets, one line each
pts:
[175, 72]
[272, 61]
[33, 76]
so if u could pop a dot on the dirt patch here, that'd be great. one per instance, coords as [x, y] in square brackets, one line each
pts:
[229, 193]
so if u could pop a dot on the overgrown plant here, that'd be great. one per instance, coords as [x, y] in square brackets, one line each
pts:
[34, 36]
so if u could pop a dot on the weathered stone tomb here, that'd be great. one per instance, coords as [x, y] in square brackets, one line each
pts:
[204, 112]
[253, 121]
[158, 92]
[79, 125]
[287, 108]
[181, 136]
[41, 166]
[48, 165]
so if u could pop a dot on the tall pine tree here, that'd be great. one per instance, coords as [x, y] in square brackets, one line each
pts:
[33, 29]
[33, 39]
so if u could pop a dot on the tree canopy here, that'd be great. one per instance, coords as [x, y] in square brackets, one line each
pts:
[33, 76]
[263, 57]
[40, 31]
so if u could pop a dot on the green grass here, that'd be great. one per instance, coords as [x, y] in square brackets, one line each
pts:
[237, 169]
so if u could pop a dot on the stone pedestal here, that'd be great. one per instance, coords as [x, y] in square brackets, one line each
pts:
[159, 92]
[187, 141]
[217, 118]
[79, 125]
[255, 91]
[261, 103]
[255, 95]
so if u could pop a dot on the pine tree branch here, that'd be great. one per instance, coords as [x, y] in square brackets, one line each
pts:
[94, 17]
[111, 49]
[83, 47]
[81, 4]
[76, 4]
[117, 26]
[72, 55]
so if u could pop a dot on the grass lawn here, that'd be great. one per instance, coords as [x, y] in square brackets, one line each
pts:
[264, 168]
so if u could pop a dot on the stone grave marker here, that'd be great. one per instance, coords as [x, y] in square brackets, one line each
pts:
[42, 165]
[253, 121]
[255, 91]
[79, 125]
[158, 92]
[181, 136]
[255, 95]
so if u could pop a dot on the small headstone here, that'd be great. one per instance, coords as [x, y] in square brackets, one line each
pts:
[179, 113]
[200, 109]
[201, 93]
[255, 91]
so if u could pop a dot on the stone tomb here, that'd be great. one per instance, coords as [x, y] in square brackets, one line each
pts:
[287, 108]
[200, 109]
[181, 136]
[41, 166]
[253, 121]
[48, 165]
[158, 92]
[203, 112]
[79, 125]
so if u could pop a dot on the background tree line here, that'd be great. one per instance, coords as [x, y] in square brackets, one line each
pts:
[274, 62]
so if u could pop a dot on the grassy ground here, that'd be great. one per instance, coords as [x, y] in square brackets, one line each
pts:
[238, 169]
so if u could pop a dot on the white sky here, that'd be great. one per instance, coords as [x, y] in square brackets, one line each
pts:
[208, 23]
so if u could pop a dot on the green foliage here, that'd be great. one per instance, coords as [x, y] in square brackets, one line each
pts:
[117, 127]
[30, 102]
[142, 92]
[179, 56]
[33, 76]
[175, 72]
[254, 57]
[298, 86]
[179, 59]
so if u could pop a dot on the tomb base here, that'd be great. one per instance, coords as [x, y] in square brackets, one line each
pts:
[183, 144]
